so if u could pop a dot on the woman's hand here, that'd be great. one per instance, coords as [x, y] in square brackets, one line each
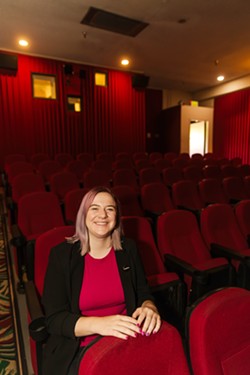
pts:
[121, 326]
[148, 318]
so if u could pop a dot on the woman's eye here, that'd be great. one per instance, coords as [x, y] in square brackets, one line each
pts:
[111, 209]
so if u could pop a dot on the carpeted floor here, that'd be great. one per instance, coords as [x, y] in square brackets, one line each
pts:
[12, 357]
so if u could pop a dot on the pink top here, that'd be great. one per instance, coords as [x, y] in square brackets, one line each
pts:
[102, 293]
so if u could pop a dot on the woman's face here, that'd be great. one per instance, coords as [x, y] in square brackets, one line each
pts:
[101, 216]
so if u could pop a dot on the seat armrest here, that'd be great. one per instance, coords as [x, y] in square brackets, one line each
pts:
[37, 327]
[181, 267]
[225, 252]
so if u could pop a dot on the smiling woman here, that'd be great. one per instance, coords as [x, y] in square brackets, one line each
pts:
[95, 286]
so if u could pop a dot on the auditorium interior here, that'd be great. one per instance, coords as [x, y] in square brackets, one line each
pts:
[168, 132]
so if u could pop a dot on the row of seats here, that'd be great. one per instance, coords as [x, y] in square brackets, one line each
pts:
[40, 211]
[64, 157]
[47, 167]
[151, 200]
[149, 186]
[106, 171]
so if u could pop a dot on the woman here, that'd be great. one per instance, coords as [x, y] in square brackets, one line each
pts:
[94, 286]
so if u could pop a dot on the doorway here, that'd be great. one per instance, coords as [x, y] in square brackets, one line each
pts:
[198, 137]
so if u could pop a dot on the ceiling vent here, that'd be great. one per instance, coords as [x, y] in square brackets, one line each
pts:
[113, 22]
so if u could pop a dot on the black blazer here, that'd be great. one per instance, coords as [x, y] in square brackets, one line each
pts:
[60, 299]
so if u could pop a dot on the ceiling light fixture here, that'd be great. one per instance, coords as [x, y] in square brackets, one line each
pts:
[220, 78]
[23, 43]
[125, 62]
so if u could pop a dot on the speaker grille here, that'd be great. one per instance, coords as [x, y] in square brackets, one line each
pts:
[113, 22]
[140, 81]
[8, 62]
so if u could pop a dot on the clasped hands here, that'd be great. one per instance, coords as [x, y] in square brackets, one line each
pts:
[144, 321]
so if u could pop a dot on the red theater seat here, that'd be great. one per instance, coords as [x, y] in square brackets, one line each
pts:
[63, 158]
[72, 201]
[36, 159]
[211, 191]
[147, 175]
[160, 354]
[37, 213]
[129, 200]
[222, 234]
[185, 252]
[62, 182]
[218, 336]
[17, 168]
[234, 188]
[34, 289]
[168, 289]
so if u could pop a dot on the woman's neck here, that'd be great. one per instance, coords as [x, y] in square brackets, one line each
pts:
[99, 248]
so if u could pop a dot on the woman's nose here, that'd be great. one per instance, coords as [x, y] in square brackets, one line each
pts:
[102, 212]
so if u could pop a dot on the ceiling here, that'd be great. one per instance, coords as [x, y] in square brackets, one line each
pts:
[185, 46]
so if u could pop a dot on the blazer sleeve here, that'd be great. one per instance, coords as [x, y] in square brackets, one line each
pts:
[57, 293]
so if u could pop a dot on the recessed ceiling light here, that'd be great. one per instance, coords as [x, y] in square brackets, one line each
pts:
[125, 62]
[220, 78]
[23, 43]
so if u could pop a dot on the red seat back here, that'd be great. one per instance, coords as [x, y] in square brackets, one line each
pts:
[122, 164]
[62, 182]
[170, 175]
[38, 212]
[44, 243]
[211, 191]
[72, 201]
[63, 158]
[26, 183]
[96, 177]
[193, 172]
[219, 225]
[212, 171]
[185, 193]
[218, 333]
[36, 159]
[242, 213]
[243, 170]
[228, 170]
[128, 198]
[12, 158]
[49, 167]
[234, 188]
[78, 167]
[155, 155]
[180, 162]
[147, 175]
[155, 198]
[178, 234]
[86, 156]
[161, 164]
[125, 177]
[139, 229]
[17, 168]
